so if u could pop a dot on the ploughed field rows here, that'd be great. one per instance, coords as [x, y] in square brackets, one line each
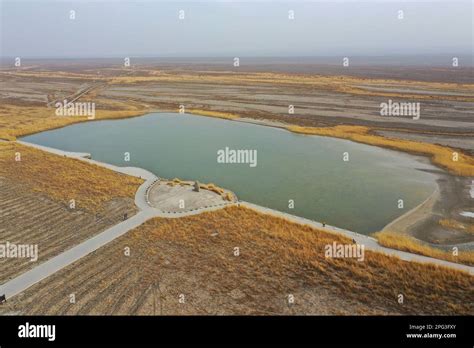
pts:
[190, 266]
[29, 218]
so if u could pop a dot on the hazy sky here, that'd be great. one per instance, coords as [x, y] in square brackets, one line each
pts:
[252, 28]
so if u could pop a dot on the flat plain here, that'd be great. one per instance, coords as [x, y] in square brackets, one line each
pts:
[193, 256]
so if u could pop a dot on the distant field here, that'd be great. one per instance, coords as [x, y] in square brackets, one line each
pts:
[319, 100]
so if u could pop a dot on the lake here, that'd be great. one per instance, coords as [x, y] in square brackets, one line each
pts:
[361, 194]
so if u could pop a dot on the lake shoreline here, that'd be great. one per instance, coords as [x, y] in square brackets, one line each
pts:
[149, 179]
[375, 178]
[415, 227]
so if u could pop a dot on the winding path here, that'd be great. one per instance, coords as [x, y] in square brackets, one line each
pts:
[146, 212]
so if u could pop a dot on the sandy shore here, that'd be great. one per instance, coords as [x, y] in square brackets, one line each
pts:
[422, 222]
[403, 223]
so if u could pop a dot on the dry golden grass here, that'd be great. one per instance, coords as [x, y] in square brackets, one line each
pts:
[440, 155]
[16, 121]
[454, 161]
[226, 195]
[272, 247]
[212, 187]
[229, 196]
[48, 74]
[194, 256]
[63, 179]
[406, 243]
[456, 225]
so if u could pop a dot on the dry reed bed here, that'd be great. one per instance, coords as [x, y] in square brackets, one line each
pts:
[63, 179]
[291, 251]
[445, 157]
[406, 243]
[453, 160]
[194, 256]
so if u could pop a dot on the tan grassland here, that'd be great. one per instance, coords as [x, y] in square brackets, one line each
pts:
[450, 159]
[410, 244]
[63, 179]
[194, 256]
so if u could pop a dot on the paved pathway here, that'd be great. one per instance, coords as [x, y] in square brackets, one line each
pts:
[53, 265]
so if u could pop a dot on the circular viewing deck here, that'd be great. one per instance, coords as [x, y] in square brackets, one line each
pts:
[181, 196]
